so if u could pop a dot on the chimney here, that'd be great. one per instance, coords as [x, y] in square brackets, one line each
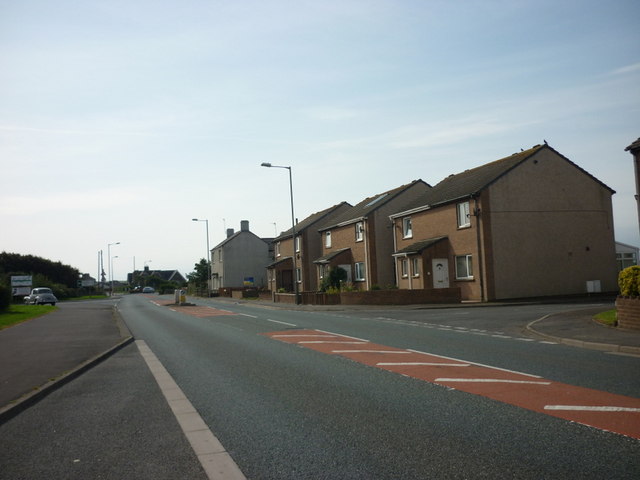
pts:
[244, 226]
[230, 232]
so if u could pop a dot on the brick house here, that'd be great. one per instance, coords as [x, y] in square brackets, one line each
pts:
[308, 247]
[532, 224]
[360, 241]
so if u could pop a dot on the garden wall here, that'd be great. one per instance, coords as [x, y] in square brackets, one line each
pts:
[628, 312]
[375, 297]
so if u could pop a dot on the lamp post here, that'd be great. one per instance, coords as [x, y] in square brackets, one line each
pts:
[293, 230]
[208, 255]
[111, 270]
[109, 263]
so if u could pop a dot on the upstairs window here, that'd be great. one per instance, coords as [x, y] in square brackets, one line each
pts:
[359, 231]
[298, 244]
[327, 239]
[407, 231]
[277, 248]
[464, 218]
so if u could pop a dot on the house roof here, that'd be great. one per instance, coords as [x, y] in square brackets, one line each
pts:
[418, 247]
[330, 256]
[325, 215]
[367, 206]
[279, 261]
[236, 235]
[471, 182]
[634, 147]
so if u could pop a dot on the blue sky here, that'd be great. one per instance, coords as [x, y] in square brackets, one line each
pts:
[120, 121]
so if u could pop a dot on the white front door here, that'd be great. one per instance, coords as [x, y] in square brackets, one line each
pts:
[440, 273]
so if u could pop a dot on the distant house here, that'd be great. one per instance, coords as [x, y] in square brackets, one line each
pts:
[173, 276]
[359, 240]
[240, 260]
[532, 224]
[626, 255]
[307, 248]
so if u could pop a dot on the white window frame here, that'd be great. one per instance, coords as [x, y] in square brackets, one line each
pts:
[464, 215]
[359, 231]
[407, 229]
[467, 261]
[404, 267]
[299, 275]
[359, 272]
[415, 266]
[297, 242]
[277, 247]
[327, 239]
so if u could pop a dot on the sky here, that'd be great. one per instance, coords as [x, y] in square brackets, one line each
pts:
[121, 121]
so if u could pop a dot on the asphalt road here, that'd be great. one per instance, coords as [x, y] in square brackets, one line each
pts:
[285, 411]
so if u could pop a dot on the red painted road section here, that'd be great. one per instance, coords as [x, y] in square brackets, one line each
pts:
[602, 410]
[193, 310]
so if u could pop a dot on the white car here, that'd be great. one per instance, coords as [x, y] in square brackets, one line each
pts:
[40, 296]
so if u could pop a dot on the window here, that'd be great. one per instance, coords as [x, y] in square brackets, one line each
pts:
[407, 231]
[626, 260]
[360, 273]
[321, 270]
[464, 267]
[415, 266]
[278, 249]
[404, 266]
[327, 239]
[298, 275]
[464, 219]
[298, 244]
[359, 231]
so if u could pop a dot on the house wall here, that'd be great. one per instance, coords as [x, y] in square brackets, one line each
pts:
[344, 237]
[551, 230]
[245, 255]
[437, 222]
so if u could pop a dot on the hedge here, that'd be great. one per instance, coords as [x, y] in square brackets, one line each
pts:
[629, 281]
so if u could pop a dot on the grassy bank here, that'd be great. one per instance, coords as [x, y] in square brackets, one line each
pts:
[607, 318]
[19, 313]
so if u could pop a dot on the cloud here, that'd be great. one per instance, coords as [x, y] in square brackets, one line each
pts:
[331, 113]
[634, 67]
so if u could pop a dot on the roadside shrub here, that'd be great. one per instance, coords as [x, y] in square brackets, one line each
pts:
[5, 297]
[629, 281]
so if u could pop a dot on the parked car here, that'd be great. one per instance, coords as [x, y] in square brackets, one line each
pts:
[148, 290]
[40, 296]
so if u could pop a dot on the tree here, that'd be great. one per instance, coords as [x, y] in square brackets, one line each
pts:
[200, 275]
[334, 280]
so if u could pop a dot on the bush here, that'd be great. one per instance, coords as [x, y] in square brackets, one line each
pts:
[629, 281]
[5, 297]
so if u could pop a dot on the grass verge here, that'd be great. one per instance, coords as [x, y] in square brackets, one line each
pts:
[20, 313]
[607, 318]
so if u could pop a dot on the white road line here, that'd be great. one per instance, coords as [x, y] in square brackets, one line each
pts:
[340, 335]
[478, 364]
[369, 351]
[282, 323]
[591, 408]
[429, 364]
[314, 335]
[247, 315]
[215, 460]
[501, 336]
[489, 380]
[333, 342]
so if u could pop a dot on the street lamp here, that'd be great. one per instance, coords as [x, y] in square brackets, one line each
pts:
[109, 263]
[111, 270]
[293, 230]
[208, 255]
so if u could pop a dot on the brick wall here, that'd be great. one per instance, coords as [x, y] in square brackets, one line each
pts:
[628, 312]
[401, 297]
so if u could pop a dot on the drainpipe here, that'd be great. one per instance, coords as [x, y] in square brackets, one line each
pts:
[476, 212]
[365, 226]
